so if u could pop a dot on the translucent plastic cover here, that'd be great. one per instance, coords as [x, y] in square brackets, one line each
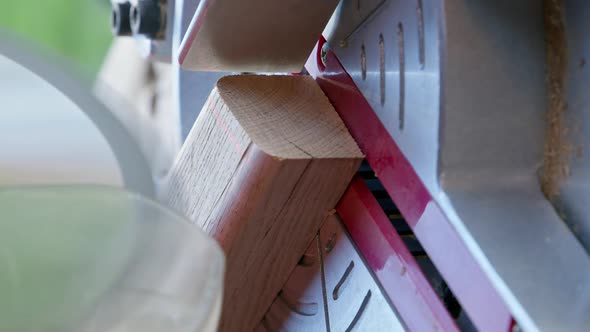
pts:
[100, 259]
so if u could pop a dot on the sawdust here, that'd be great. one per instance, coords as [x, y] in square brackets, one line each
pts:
[558, 149]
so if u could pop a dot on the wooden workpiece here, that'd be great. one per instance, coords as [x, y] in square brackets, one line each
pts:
[264, 165]
[254, 35]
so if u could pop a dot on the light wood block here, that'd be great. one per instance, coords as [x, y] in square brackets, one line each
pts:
[254, 35]
[264, 165]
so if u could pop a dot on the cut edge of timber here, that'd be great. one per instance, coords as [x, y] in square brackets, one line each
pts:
[276, 113]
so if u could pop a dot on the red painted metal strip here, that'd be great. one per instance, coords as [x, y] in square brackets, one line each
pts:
[454, 262]
[471, 286]
[391, 261]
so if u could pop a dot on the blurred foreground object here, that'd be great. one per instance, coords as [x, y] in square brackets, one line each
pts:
[85, 252]
[138, 91]
[53, 131]
[99, 259]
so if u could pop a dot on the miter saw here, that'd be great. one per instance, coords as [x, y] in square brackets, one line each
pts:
[469, 212]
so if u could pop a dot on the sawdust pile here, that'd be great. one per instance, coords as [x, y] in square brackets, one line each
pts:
[558, 148]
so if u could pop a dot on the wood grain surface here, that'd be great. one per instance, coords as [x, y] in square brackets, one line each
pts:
[264, 165]
[254, 35]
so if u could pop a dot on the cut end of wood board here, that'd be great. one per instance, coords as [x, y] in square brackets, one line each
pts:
[288, 117]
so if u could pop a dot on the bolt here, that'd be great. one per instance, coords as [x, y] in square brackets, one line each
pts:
[147, 18]
[120, 24]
